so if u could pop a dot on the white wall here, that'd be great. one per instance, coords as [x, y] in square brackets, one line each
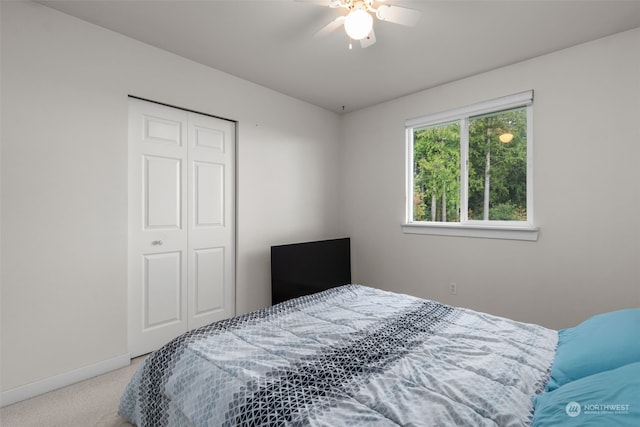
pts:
[64, 182]
[587, 192]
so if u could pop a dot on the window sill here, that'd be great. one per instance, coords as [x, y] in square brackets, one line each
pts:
[479, 231]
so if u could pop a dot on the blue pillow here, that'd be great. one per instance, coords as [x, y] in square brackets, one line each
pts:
[609, 399]
[603, 342]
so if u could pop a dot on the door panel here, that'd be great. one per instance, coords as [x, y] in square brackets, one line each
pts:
[209, 194]
[208, 138]
[162, 285]
[157, 230]
[209, 281]
[211, 220]
[162, 192]
[162, 130]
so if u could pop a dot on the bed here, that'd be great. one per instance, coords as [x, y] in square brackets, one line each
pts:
[354, 355]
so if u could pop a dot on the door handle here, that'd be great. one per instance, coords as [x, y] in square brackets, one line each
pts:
[157, 243]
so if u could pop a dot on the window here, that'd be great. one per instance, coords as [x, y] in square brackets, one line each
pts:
[469, 171]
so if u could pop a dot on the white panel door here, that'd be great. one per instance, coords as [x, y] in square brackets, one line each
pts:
[181, 223]
[211, 219]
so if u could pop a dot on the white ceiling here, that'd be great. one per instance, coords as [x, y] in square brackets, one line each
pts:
[272, 43]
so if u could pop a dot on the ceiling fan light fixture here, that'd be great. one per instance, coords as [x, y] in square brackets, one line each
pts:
[358, 24]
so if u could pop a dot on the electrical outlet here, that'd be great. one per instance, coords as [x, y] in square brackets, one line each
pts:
[453, 288]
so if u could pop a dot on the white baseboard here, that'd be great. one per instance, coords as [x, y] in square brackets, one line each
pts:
[58, 381]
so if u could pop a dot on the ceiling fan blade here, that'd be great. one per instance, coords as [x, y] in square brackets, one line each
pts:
[331, 26]
[330, 3]
[398, 15]
[369, 40]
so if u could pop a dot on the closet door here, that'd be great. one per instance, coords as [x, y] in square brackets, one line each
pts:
[181, 222]
[211, 229]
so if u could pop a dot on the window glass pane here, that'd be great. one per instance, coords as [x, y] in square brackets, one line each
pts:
[436, 173]
[498, 166]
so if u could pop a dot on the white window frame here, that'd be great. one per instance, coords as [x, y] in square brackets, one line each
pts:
[511, 230]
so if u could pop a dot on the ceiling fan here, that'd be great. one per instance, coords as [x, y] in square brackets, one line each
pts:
[358, 22]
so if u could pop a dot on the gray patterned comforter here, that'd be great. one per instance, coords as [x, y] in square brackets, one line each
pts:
[349, 356]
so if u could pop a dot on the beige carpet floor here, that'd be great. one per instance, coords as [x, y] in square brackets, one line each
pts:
[91, 403]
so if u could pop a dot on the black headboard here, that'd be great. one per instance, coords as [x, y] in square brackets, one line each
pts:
[304, 268]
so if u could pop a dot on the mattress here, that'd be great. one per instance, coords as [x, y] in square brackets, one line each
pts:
[351, 355]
